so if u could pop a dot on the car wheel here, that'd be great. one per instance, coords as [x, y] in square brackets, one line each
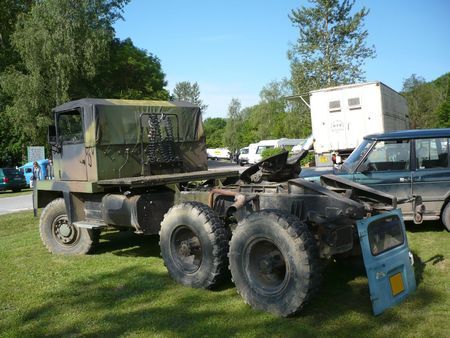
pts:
[194, 245]
[59, 236]
[274, 262]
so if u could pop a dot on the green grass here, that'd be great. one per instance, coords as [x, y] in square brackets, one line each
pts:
[124, 290]
[10, 193]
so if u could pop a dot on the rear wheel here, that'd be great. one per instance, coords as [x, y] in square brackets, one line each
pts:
[59, 236]
[274, 262]
[194, 245]
[445, 217]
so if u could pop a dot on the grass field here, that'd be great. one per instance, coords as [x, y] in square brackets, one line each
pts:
[124, 290]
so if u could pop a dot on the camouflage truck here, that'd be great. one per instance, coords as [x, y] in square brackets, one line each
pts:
[142, 165]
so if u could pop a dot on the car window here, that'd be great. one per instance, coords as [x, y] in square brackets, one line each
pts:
[387, 156]
[432, 153]
[352, 161]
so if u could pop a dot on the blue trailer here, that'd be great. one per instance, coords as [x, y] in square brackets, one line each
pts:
[27, 170]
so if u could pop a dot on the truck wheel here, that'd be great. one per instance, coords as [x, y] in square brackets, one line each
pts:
[445, 217]
[194, 245]
[274, 262]
[62, 238]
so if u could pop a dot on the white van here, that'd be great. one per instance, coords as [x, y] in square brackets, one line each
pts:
[218, 153]
[255, 152]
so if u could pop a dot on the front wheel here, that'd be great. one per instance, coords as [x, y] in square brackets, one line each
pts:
[59, 236]
[194, 245]
[274, 262]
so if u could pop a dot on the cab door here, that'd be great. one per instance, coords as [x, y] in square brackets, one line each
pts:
[70, 160]
[387, 259]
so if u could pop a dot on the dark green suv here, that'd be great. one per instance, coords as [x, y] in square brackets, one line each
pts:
[404, 164]
[12, 179]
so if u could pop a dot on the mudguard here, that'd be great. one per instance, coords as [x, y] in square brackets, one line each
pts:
[387, 259]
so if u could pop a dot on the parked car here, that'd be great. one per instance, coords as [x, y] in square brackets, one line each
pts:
[404, 164]
[12, 179]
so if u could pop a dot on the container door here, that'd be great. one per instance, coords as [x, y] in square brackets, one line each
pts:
[387, 259]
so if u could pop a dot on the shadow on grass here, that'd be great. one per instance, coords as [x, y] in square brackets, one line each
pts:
[128, 244]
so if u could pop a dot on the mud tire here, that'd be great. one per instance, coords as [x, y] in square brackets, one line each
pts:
[274, 262]
[61, 238]
[194, 245]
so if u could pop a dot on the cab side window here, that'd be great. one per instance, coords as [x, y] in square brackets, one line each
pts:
[70, 127]
[431, 153]
[388, 155]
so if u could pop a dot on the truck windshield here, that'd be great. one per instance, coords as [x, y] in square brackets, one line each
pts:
[352, 161]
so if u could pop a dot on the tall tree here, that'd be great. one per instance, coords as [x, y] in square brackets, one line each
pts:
[235, 121]
[130, 73]
[190, 92]
[60, 44]
[331, 48]
[426, 101]
[214, 129]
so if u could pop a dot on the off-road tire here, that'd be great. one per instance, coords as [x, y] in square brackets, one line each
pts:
[445, 217]
[194, 245]
[274, 262]
[70, 241]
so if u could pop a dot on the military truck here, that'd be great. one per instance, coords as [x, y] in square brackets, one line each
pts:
[142, 165]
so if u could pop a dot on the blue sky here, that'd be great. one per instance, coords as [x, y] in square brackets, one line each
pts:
[233, 48]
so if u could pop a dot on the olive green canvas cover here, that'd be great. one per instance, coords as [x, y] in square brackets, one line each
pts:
[115, 135]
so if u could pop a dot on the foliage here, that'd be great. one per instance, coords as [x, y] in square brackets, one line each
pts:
[123, 289]
[60, 46]
[331, 48]
[130, 73]
[214, 129]
[190, 92]
[59, 50]
[271, 152]
[234, 127]
[428, 102]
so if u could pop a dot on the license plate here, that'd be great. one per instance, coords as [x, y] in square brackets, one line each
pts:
[396, 282]
[323, 159]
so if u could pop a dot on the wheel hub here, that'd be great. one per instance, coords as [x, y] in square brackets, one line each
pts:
[186, 249]
[63, 232]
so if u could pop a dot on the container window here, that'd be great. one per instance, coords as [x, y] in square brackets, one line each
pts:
[354, 103]
[335, 106]
[385, 234]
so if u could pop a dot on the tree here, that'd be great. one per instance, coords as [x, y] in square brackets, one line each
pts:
[60, 44]
[130, 73]
[190, 92]
[235, 121]
[423, 100]
[214, 129]
[331, 48]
